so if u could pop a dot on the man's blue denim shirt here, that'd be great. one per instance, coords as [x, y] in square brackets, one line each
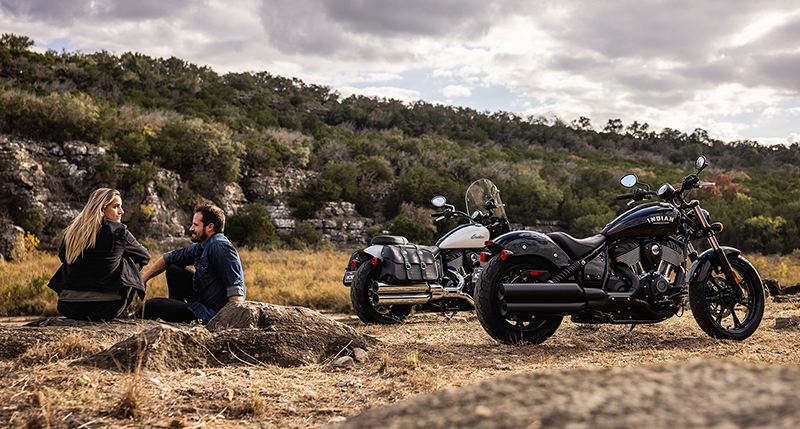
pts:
[217, 273]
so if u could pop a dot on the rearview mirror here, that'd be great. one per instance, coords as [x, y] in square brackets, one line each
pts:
[700, 163]
[438, 201]
[629, 181]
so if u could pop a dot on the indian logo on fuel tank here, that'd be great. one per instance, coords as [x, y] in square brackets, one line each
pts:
[661, 219]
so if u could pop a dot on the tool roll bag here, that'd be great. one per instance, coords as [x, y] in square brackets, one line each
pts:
[410, 262]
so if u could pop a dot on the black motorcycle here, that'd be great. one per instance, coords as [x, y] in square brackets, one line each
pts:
[633, 272]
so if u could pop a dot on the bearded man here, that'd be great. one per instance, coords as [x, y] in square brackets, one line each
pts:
[217, 277]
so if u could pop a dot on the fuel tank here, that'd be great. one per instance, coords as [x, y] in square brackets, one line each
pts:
[468, 236]
[653, 219]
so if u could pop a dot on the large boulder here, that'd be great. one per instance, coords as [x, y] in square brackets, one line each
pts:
[10, 244]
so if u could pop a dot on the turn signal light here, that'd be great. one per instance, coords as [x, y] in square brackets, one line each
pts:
[716, 226]
[374, 261]
[505, 254]
[483, 257]
[353, 263]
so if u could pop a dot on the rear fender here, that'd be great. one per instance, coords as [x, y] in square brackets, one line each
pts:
[357, 258]
[701, 268]
[525, 243]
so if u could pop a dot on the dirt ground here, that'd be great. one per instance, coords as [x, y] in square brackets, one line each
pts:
[426, 354]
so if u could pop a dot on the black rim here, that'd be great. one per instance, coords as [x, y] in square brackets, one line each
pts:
[729, 314]
[521, 274]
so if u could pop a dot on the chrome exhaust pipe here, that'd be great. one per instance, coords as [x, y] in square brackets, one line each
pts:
[383, 288]
[456, 292]
[422, 293]
[406, 295]
[400, 299]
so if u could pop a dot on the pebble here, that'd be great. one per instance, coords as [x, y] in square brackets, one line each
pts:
[337, 419]
[360, 355]
[344, 361]
[483, 411]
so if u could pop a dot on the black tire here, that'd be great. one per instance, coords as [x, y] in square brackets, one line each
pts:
[511, 330]
[361, 299]
[716, 310]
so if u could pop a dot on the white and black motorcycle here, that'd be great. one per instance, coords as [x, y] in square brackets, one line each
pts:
[391, 276]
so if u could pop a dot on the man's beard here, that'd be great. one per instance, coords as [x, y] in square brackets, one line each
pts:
[199, 236]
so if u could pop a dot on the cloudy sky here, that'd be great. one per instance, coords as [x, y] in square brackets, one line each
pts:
[731, 67]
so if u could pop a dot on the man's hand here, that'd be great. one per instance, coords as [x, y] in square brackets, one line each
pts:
[236, 298]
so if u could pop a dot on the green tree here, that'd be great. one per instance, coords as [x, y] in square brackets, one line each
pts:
[12, 41]
[251, 226]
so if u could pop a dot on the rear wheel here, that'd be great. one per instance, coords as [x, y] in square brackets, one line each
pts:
[489, 304]
[361, 297]
[716, 309]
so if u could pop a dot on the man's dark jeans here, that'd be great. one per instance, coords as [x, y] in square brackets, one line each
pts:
[176, 307]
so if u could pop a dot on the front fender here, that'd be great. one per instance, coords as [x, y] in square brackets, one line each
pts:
[702, 267]
[523, 243]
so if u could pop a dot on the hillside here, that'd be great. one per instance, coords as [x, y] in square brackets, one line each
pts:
[294, 163]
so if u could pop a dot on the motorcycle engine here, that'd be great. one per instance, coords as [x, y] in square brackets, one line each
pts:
[461, 262]
[655, 261]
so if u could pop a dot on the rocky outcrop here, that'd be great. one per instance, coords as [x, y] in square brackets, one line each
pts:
[56, 179]
[242, 333]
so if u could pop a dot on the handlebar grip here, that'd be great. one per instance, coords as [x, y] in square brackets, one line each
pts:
[437, 214]
[624, 196]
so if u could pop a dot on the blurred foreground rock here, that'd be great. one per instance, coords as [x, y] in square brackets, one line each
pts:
[695, 394]
[243, 333]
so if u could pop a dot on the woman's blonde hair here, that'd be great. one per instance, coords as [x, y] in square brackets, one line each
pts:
[82, 232]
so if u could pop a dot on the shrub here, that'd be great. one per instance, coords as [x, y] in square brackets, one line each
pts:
[251, 226]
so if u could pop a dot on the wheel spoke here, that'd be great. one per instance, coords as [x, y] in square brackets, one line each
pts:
[736, 323]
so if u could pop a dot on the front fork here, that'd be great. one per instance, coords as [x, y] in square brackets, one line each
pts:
[719, 254]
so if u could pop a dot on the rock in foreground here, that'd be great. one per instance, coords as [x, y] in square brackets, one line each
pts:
[695, 394]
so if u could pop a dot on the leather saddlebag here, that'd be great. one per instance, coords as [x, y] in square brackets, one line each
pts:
[409, 262]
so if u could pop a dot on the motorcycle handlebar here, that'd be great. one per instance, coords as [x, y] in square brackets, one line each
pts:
[637, 194]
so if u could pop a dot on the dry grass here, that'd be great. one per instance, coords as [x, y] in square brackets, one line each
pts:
[72, 346]
[425, 354]
[23, 286]
[783, 268]
[283, 277]
[288, 277]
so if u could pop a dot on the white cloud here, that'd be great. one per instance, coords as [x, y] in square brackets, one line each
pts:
[451, 91]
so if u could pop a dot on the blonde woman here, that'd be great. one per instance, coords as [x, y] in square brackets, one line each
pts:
[101, 262]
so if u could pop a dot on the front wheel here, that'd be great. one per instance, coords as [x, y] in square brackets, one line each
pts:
[361, 297]
[717, 310]
[489, 304]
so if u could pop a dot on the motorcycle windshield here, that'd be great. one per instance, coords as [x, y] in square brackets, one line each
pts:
[481, 192]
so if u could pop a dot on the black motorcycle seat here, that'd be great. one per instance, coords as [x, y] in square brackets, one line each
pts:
[576, 247]
[388, 239]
